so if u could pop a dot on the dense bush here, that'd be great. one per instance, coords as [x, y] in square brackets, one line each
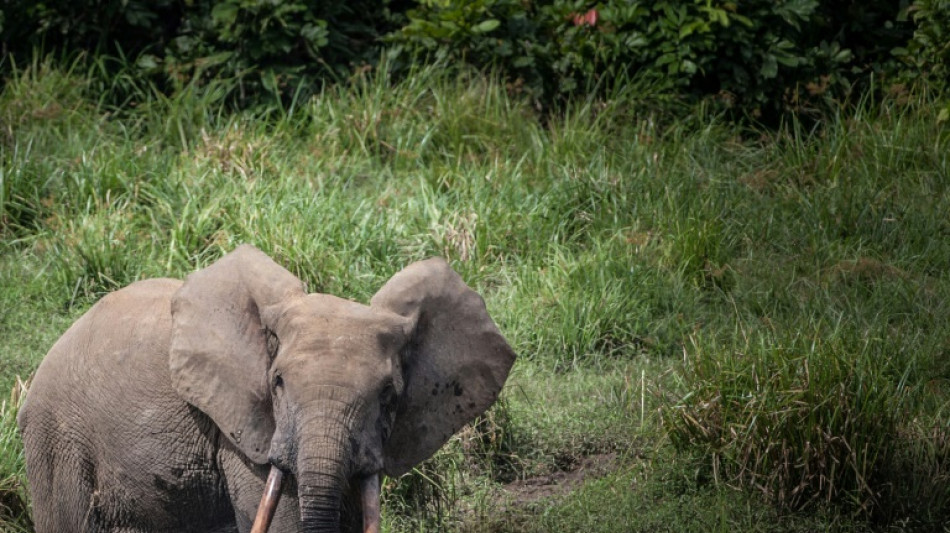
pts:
[269, 45]
[282, 40]
[762, 56]
[759, 56]
[928, 53]
[929, 50]
[63, 25]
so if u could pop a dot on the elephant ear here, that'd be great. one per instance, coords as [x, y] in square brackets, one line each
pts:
[453, 367]
[219, 353]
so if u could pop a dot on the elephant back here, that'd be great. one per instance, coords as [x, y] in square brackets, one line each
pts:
[119, 343]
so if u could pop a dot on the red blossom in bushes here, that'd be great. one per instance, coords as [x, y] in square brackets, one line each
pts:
[587, 19]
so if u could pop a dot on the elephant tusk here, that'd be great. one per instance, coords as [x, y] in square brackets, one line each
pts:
[369, 492]
[265, 511]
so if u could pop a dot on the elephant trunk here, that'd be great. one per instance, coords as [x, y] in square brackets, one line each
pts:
[320, 498]
[323, 468]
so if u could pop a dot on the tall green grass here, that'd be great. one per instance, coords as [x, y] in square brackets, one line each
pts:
[831, 374]
[14, 506]
[771, 302]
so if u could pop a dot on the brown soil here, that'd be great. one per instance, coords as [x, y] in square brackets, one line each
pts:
[556, 484]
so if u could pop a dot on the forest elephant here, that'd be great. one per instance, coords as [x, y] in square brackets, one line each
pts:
[163, 408]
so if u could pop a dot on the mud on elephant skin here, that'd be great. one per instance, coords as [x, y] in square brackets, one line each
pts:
[163, 407]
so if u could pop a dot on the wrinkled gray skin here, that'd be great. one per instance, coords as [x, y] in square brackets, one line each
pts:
[161, 408]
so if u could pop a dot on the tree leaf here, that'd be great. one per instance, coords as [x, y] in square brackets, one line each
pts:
[769, 67]
[224, 14]
[486, 26]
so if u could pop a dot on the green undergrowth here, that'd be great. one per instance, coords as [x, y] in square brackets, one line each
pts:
[749, 323]
[14, 500]
[642, 496]
[545, 423]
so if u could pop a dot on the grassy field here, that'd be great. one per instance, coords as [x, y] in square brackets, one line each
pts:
[719, 328]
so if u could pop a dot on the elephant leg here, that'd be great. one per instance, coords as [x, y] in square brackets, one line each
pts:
[63, 482]
[245, 481]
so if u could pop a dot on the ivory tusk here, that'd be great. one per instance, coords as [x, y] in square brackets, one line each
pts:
[369, 494]
[265, 511]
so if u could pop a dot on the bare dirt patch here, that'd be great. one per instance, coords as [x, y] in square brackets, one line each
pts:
[512, 506]
[556, 484]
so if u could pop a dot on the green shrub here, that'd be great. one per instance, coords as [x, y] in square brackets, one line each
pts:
[274, 44]
[760, 56]
[130, 25]
[928, 53]
[268, 46]
[930, 46]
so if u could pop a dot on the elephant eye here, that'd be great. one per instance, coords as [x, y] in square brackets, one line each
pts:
[273, 343]
[387, 405]
[278, 381]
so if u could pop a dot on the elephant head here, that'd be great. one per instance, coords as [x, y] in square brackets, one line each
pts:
[329, 390]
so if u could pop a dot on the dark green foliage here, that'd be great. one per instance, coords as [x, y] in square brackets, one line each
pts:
[270, 46]
[275, 44]
[927, 55]
[133, 25]
[929, 50]
[759, 56]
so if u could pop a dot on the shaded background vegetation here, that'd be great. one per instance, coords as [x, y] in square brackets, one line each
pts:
[760, 58]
